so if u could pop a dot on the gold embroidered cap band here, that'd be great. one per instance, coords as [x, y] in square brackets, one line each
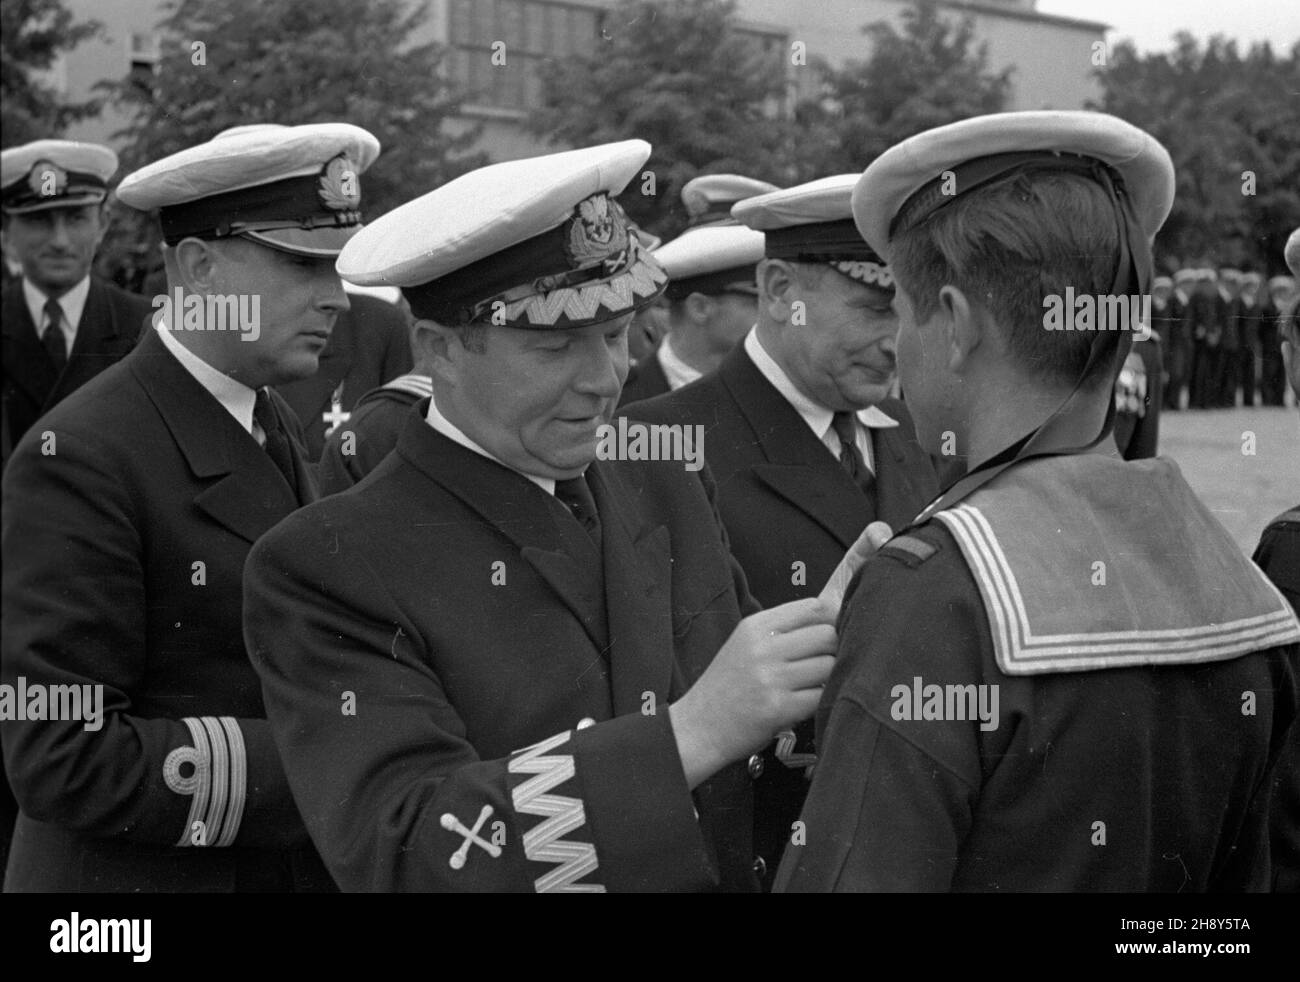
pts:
[813, 223]
[538, 244]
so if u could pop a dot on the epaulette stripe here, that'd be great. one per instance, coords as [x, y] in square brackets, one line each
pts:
[216, 818]
[238, 780]
[1286, 516]
[416, 385]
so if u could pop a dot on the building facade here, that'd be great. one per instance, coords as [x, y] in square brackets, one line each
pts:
[1052, 58]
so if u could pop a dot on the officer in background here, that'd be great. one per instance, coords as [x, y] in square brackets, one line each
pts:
[508, 660]
[369, 433]
[127, 519]
[1278, 555]
[1246, 316]
[1272, 376]
[1175, 331]
[1138, 392]
[804, 440]
[59, 325]
[62, 326]
[1039, 684]
[709, 303]
[370, 345]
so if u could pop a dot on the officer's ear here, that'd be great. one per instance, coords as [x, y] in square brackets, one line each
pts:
[961, 324]
[779, 289]
[195, 265]
[443, 348]
[699, 309]
[105, 217]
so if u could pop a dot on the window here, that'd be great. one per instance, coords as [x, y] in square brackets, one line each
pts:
[142, 59]
[531, 30]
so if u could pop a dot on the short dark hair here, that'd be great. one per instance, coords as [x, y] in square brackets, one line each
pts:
[1007, 247]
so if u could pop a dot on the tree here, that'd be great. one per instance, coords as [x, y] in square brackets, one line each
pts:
[32, 35]
[226, 63]
[679, 74]
[1232, 126]
[927, 74]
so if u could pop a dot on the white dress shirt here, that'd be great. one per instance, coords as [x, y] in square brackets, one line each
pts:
[73, 303]
[817, 417]
[237, 398]
[676, 371]
[452, 432]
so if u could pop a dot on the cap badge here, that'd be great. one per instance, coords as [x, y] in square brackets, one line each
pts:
[340, 188]
[598, 232]
[47, 179]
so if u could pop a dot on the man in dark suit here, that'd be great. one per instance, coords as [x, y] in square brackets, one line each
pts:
[127, 519]
[503, 662]
[61, 326]
[815, 370]
[370, 345]
[711, 293]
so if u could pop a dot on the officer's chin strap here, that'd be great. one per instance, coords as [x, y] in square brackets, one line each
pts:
[1053, 436]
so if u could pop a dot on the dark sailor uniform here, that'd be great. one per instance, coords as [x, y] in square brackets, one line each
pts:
[1138, 717]
[357, 446]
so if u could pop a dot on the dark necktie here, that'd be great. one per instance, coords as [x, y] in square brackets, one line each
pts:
[574, 494]
[56, 346]
[277, 443]
[846, 428]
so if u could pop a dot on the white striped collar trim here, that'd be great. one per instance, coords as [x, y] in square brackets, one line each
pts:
[1020, 652]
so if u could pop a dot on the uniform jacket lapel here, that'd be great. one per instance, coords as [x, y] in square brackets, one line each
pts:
[638, 591]
[900, 463]
[247, 494]
[798, 466]
[558, 549]
[25, 360]
[102, 338]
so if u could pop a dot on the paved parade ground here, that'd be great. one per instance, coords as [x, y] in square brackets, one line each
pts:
[1243, 490]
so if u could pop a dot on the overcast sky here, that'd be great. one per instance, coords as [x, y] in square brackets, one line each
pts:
[1151, 23]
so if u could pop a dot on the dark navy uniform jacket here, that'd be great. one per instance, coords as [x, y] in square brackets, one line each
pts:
[124, 543]
[110, 323]
[468, 696]
[786, 500]
[1140, 778]
[646, 380]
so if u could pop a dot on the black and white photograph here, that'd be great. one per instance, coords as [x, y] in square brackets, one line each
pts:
[650, 446]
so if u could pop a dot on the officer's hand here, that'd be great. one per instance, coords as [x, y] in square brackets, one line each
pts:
[766, 677]
[872, 538]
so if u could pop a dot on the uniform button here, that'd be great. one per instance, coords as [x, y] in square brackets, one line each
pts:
[760, 867]
[755, 766]
[585, 722]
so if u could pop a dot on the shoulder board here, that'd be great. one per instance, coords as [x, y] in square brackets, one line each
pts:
[1286, 518]
[411, 384]
[912, 551]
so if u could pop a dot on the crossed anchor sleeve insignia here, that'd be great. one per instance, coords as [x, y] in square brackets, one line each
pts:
[214, 773]
[452, 824]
